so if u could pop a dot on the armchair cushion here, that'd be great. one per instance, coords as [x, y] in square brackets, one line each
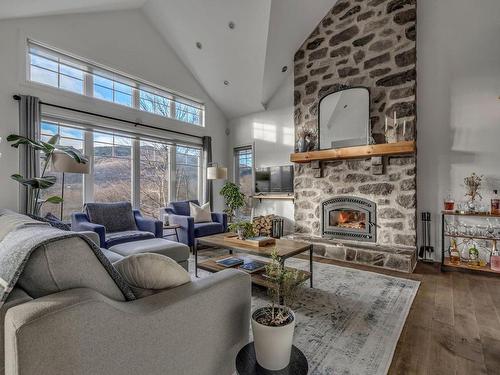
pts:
[117, 238]
[207, 229]
[115, 217]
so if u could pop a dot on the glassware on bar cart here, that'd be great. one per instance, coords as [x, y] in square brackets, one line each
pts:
[449, 203]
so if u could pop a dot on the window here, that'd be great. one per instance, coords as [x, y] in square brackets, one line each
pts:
[145, 171]
[243, 173]
[112, 168]
[73, 182]
[154, 180]
[57, 69]
[106, 88]
[187, 172]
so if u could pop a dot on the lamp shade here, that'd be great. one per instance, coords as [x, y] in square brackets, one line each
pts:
[62, 162]
[216, 173]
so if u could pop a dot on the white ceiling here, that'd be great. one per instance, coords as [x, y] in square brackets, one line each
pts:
[265, 37]
[33, 8]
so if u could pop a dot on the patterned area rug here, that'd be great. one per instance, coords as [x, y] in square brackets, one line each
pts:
[350, 322]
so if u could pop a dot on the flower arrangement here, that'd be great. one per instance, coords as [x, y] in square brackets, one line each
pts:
[472, 186]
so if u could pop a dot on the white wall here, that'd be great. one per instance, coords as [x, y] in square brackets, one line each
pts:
[123, 40]
[272, 134]
[458, 85]
[458, 79]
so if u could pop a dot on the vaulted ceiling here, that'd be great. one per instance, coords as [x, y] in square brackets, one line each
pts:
[239, 65]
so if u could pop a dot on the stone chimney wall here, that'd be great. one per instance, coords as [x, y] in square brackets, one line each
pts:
[369, 43]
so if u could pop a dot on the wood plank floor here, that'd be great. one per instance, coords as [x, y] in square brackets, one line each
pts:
[453, 326]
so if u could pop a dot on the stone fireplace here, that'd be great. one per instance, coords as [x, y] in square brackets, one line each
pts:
[349, 218]
[372, 44]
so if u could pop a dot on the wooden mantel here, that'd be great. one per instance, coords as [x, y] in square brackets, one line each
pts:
[357, 152]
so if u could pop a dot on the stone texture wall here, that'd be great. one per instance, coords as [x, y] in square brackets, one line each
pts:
[369, 43]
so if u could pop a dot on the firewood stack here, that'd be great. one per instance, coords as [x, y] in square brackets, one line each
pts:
[263, 225]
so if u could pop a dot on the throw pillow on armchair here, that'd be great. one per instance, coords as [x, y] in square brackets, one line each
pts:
[200, 214]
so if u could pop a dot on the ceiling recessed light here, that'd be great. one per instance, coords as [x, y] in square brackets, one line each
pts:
[226, 83]
[231, 25]
[284, 69]
[199, 45]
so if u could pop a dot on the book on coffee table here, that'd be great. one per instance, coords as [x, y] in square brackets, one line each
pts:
[253, 266]
[230, 262]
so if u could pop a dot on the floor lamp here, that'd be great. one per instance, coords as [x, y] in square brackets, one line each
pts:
[64, 163]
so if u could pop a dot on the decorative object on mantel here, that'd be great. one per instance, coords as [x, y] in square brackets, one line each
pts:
[472, 186]
[305, 140]
[394, 134]
[344, 118]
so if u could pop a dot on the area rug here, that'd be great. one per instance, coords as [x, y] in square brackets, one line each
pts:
[350, 322]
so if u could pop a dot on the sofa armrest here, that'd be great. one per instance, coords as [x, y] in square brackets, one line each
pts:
[186, 231]
[196, 328]
[148, 225]
[80, 223]
[93, 236]
[220, 217]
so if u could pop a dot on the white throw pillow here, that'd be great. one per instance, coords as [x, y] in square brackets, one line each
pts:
[200, 214]
[152, 271]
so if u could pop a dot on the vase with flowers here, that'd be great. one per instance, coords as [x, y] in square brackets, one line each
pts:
[472, 186]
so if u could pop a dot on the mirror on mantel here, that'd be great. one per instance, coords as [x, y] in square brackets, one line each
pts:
[344, 119]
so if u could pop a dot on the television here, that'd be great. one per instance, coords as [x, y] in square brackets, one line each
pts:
[274, 179]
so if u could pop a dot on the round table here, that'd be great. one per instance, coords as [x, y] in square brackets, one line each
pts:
[246, 363]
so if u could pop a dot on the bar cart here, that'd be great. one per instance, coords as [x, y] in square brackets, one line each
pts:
[451, 232]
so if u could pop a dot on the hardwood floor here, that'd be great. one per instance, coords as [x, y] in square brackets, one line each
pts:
[453, 326]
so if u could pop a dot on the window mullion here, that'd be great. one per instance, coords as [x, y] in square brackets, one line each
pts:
[136, 173]
[88, 179]
[172, 196]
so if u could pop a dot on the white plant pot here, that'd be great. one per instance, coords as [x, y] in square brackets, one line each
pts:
[273, 345]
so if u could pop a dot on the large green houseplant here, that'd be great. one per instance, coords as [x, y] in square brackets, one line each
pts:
[36, 184]
[234, 199]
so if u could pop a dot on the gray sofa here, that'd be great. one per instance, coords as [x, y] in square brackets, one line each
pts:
[67, 316]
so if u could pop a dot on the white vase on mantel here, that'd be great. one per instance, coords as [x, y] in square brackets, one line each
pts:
[273, 345]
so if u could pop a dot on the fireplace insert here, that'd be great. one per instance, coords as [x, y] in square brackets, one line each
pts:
[349, 218]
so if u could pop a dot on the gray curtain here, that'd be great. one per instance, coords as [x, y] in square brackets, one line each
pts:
[207, 157]
[29, 125]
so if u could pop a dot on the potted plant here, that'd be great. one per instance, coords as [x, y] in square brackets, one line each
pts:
[244, 229]
[36, 184]
[472, 186]
[273, 325]
[234, 199]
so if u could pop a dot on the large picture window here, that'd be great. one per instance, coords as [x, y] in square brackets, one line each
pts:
[112, 168]
[155, 177]
[57, 69]
[243, 175]
[145, 171]
[187, 172]
[73, 182]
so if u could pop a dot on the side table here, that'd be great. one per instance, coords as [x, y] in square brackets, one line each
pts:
[173, 227]
[246, 363]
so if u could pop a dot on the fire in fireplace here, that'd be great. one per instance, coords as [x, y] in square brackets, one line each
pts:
[349, 218]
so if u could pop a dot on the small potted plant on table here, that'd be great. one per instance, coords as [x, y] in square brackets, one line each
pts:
[273, 325]
[244, 229]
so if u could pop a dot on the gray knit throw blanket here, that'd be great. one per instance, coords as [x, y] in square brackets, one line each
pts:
[21, 235]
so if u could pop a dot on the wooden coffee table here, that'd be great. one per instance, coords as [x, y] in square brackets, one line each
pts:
[286, 249]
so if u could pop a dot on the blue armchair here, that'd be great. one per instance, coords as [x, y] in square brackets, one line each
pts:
[178, 213]
[115, 223]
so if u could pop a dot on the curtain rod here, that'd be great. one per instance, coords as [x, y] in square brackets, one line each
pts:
[18, 97]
